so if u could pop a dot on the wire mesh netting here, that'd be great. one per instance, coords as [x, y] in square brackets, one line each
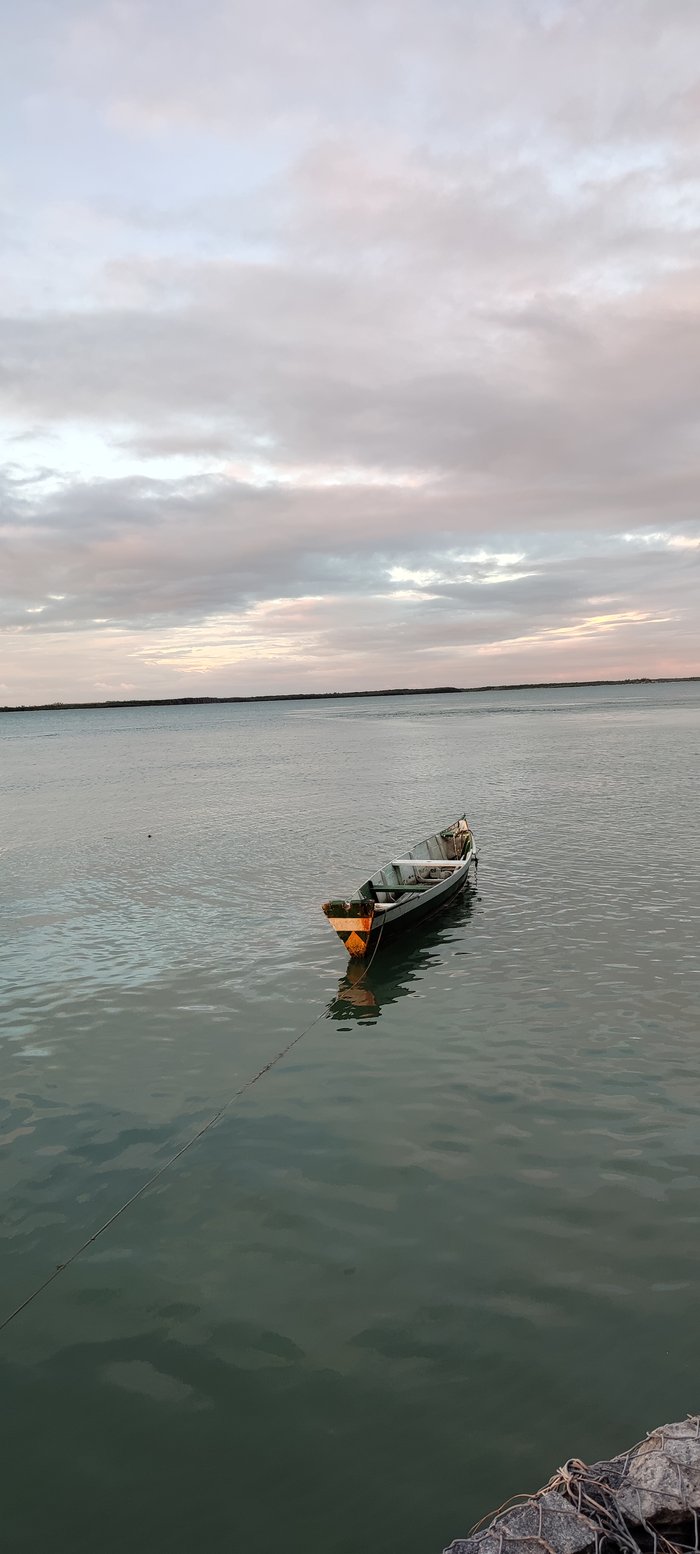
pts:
[645, 1501]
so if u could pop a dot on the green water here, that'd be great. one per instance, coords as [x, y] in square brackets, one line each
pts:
[454, 1237]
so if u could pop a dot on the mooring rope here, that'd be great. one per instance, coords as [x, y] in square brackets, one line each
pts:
[206, 1127]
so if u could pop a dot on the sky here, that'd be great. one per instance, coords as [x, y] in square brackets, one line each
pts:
[347, 344]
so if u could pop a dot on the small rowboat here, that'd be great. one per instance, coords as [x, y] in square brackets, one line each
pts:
[430, 875]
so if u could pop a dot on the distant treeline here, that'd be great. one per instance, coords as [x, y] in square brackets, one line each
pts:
[432, 690]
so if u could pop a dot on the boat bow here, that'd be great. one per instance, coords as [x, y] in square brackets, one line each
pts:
[352, 921]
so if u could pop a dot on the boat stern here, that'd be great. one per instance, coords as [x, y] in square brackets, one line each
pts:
[352, 921]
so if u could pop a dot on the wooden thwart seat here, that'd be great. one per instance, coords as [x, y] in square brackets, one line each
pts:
[405, 887]
[428, 863]
[400, 889]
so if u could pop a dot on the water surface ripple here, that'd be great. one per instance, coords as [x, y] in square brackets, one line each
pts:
[452, 1239]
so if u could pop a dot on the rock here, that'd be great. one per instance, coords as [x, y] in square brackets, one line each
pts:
[653, 1487]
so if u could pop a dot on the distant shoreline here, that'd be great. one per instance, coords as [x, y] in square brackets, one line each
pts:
[433, 690]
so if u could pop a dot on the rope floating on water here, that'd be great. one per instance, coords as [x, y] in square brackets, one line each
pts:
[206, 1128]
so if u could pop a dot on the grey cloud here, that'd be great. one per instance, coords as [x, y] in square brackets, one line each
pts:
[592, 71]
[574, 406]
[451, 264]
[138, 553]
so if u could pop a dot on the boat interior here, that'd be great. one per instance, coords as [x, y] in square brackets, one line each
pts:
[425, 866]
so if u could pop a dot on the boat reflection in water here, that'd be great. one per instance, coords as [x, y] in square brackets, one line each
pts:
[366, 989]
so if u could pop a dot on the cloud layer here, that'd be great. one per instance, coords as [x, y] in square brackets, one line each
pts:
[344, 346]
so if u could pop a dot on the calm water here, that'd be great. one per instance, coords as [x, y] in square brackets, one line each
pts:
[454, 1237]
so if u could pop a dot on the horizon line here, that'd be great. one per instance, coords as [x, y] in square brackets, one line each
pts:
[265, 696]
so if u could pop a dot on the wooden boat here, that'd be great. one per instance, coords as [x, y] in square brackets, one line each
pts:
[430, 875]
